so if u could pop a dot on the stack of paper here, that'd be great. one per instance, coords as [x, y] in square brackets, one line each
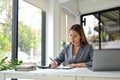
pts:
[25, 67]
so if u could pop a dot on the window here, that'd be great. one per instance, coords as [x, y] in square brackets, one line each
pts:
[29, 32]
[103, 28]
[5, 27]
[66, 21]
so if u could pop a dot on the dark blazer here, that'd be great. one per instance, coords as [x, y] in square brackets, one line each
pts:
[84, 54]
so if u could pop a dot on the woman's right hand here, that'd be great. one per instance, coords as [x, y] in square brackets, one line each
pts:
[54, 64]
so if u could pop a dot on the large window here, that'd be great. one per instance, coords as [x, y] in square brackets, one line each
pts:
[29, 32]
[30, 28]
[5, 27]
[103, 28]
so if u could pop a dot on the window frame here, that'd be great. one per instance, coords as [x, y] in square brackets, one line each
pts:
[83, 21]
[15, 4]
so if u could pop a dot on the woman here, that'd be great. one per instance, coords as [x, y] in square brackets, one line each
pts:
[78, 53]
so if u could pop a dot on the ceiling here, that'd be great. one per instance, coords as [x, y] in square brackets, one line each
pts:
[87, 6]
[110, 20]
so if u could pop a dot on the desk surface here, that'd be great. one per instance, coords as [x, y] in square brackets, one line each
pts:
[60, 72]
[75, 72]
[89, 73]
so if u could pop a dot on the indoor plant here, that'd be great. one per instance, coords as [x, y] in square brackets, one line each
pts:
[10, 64]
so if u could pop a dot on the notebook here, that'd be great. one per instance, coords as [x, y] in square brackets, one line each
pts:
[25, 67]
[106, 60]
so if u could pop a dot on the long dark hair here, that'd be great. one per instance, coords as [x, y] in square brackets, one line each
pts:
[79, 29]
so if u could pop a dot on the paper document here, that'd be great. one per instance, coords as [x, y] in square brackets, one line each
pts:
[64, 67]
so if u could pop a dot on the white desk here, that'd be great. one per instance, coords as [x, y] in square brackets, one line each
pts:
[42, 74]
[61, 74]
[1, 76]
[87, 74]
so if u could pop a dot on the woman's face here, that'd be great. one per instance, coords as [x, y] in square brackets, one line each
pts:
[74, 37]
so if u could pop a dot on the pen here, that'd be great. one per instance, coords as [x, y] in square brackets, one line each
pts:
[52, 60]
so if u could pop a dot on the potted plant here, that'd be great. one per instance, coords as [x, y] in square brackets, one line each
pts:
[10, 64]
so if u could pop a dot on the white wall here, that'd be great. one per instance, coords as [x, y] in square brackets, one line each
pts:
[52, 29]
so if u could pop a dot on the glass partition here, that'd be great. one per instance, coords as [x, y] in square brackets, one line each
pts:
[102, 28]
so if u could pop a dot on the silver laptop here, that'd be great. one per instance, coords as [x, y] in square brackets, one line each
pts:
[106, 60]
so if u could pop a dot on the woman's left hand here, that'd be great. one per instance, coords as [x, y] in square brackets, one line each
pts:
[72, 65]
[77, 65]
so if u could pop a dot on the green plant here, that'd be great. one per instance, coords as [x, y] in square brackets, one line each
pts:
[10, 64]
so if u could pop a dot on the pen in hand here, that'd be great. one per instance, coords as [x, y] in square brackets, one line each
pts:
[52, 60]
[54, 64]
